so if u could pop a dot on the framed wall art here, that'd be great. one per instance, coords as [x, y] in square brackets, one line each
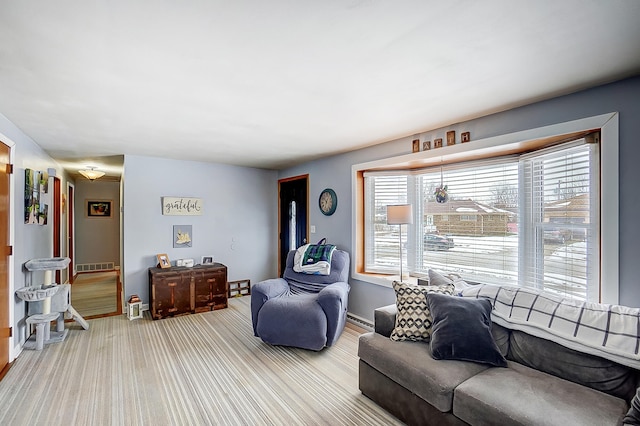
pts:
[35, 184]
[99, 208]
[182, 235]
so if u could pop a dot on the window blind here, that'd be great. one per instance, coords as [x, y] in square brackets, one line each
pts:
[528, 219]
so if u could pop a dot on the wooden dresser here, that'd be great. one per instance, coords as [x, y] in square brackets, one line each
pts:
[181, 290]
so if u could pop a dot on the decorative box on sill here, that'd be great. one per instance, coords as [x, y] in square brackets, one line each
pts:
[134, 308]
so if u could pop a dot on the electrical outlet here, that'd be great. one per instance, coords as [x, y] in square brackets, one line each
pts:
[313, 229]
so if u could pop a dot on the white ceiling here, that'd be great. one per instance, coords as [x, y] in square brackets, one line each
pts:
[274, 83]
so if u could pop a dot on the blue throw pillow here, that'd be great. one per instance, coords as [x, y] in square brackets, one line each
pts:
[461, 330]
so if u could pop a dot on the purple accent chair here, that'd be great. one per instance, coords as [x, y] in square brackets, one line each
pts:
[302, 310]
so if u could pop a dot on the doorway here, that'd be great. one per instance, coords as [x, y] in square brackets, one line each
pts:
[95, 246]
[293, 215]
[5, 252]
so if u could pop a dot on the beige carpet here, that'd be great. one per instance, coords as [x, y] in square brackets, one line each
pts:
[95, 293]
[202, 369]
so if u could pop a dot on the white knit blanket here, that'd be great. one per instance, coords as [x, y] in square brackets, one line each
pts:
[609, 331]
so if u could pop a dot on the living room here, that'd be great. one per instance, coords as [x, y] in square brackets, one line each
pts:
[240, 225]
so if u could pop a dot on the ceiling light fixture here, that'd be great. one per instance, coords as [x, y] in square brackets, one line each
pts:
[91, 174]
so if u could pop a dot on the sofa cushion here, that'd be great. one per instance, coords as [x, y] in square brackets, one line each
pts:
[520, 395]
[413, 321]
[436, 278]
[633, 415]
[501, 336]
[462, 330]
[411, 365]
[608, 331]
[585, 369]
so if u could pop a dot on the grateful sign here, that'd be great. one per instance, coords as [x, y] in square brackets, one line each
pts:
[182, 206]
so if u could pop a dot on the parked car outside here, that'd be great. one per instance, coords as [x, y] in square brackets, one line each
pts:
[561, 236]
[555, 236]
[437, 242]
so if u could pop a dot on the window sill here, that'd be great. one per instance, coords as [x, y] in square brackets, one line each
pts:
[382, 280]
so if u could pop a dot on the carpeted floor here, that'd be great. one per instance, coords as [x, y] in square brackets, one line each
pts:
[202, 369]
[95, 293]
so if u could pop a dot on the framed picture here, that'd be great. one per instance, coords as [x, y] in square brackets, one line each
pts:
[182, 235]
[207, 260]
[163, 261]
[437, 143]
[99, 208]
[426, 145]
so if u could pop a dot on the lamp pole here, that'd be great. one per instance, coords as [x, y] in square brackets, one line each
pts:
[400, 214]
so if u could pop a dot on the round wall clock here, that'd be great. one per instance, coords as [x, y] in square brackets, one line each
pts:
[328, 202]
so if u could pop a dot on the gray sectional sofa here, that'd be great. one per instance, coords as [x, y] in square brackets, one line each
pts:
[544, 382]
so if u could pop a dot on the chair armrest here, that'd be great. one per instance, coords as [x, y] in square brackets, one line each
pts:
[336, 292]
[334, 299]
[264, 291]
[384, 319]
[268, 289]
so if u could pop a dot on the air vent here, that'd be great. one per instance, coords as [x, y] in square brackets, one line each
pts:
[95, 267]
[359, 321]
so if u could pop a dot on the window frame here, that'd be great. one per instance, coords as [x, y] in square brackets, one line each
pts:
[607, 124]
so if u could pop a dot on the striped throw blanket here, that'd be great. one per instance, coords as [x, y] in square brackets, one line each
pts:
[609, 331]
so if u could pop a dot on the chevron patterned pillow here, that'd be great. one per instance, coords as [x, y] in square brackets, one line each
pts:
[413, 320]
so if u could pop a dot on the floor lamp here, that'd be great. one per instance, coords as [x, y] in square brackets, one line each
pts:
[400, 214]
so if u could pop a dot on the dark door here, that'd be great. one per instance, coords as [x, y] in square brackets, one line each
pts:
[5, 252]
[293, 210]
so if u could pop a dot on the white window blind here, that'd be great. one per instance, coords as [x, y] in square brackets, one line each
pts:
[561, 207]
[382, 253]
[480, 219]
[524, 220]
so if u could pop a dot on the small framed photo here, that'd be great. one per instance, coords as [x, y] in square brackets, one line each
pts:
[98, 208]
[163, 260]
[426, 145]
[437, 143]
[207, 260]
[465, 136]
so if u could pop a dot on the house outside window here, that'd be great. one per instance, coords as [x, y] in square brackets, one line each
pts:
[528, 219]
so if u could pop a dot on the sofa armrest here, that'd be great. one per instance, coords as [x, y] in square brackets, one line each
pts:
[384, 319]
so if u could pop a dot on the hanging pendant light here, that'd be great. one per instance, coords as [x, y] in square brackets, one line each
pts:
[91, 173]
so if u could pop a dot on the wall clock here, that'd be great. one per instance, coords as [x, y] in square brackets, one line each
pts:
[328, 202]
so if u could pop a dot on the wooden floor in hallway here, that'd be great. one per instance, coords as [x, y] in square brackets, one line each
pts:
[97, 294]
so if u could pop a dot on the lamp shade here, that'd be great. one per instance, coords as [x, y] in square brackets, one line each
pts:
[399, 214]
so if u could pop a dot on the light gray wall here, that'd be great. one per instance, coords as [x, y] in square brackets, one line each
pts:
[621, 96]
[29, 241]
[238, 227]
[97, 238]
